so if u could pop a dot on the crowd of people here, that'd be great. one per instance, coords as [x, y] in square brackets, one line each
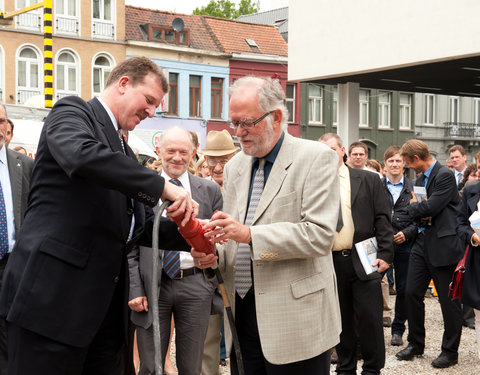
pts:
[286, 218]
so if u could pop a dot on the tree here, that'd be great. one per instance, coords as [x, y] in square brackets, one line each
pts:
[227, 9]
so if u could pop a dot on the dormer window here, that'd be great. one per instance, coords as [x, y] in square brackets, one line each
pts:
[167, 35]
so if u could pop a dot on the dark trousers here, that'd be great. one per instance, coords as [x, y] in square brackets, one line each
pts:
[3, 328]
[400, 263]
[420, 272]
[361, 301]
[253, 359]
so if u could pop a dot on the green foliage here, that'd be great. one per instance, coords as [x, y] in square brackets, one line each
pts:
[227, 9]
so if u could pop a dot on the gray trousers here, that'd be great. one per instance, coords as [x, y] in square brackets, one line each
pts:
[189, 300]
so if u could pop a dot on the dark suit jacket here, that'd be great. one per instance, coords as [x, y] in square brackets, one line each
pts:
[20, 171]
[61, 276]
[370, 217]
[471, 281]
[442, 244]
[209, 196]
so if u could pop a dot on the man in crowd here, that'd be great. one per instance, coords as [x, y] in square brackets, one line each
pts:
[357, 155]
[220, 149]
[280, 211]
[15, 173]
[435, 253]
[9, 132]
[458, 157]
[398, 189]
[184, 290]
[364, 215]
[65, 285]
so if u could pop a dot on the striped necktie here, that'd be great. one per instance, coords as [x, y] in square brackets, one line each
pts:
[3, 226]
[243, 276]
[171, 259]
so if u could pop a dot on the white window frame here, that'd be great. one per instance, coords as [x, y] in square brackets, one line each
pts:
[103, 69]
[76, 64]
[454, 108]
[476, 113]
[102, 28]
[65, 23]
[405, 112]
[429, 109]
[364, 107]
[384, 108]
[335, 113]
[32, 20]
[311, 103]
[291, 114]
[28, 89]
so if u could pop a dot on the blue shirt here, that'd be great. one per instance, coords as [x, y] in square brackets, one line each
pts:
[7, 196]
[395, 189]
[269, 160]
[428, 172]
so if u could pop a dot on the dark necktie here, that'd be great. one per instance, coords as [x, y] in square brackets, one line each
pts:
[3, 226]
[122, 140]
[171, 259]
[340, 219]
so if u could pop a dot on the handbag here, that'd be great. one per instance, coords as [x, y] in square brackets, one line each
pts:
[456, 285]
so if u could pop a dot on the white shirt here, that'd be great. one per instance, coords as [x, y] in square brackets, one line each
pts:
[457, 173]
[7, 197]
[186, 260]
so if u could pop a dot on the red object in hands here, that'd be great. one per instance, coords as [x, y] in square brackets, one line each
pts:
[193, 233]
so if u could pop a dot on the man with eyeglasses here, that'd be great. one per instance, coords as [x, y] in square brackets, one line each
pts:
[280, 210]
[220, 149]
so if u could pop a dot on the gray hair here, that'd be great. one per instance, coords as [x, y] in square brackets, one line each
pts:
[270, 94]
[327, 136]
[4, 109]
[160, 139]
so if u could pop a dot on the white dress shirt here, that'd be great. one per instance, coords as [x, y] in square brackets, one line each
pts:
[8, 197]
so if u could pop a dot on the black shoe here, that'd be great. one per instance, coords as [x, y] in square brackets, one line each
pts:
[391, 290]
[333, 356]
[396, 340]
[387, 321]
[468, 324]
[408, 353]
[444, 360]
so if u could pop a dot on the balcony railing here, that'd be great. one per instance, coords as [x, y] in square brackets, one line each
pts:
[103, 29]
[462, 129]
[30, 20]
[66, 25]
[24, 94]
[62, 94]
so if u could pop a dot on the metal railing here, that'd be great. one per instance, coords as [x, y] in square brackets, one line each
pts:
[31, 21]
[103, 29]
[24, 94]
[462, 129]
[66, 25]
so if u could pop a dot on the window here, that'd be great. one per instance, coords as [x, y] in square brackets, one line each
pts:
[157, 33]
[454, 109]
[429, 109]
[315, 104]
[217, 95]
[405, 111]
[335, 106]
[364, 99]
[29, 78]
[66, 75]
[173, 94]
[101, 69]
[384, 99]
[66, 16]
[103, 18]
[32, 20]
[195, 96]
[291, 102]
[476, 104]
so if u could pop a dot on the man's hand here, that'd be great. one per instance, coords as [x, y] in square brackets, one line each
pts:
[399, 238]
[183, 205]
[138, 304]
[201, 260]
[475, 239]
[414, 198]
[225, 227]
[382, 265]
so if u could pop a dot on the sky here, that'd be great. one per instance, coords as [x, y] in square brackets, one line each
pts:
[187, 6]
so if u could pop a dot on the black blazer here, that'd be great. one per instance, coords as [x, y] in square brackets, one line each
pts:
[67, 259]
[442, 244]
[471, 281]
[370, 217]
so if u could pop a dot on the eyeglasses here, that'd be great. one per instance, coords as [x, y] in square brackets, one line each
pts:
[247, 124]
[214, 162]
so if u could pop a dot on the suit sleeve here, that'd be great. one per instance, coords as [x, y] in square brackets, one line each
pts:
[311, 234]
[136, 284]
[465, 231]
[383, 226]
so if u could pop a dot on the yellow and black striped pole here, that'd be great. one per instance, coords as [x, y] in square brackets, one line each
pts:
[48, 53]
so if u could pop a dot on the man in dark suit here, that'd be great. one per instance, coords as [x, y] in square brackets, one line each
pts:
[65, 287]
[185, 292]
[435, 253]
[363, 215]
[15, 172]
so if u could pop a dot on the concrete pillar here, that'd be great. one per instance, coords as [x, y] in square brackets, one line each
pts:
[348, 112]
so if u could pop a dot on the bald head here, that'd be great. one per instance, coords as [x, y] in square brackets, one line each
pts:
[175, 151]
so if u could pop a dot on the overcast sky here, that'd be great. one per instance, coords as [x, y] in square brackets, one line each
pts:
[187, 6]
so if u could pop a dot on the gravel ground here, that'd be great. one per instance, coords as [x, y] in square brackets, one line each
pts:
[469, 363]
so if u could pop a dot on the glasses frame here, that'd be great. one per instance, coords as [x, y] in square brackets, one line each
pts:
[242, 123]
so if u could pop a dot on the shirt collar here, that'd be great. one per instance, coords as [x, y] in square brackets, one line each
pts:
[183, 179]
[343, 170]
[272, 155]
[429, 170]
[110, 113]
[391, 183]
[3, 154]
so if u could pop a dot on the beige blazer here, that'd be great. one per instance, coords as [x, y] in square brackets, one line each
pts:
[292, 236]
